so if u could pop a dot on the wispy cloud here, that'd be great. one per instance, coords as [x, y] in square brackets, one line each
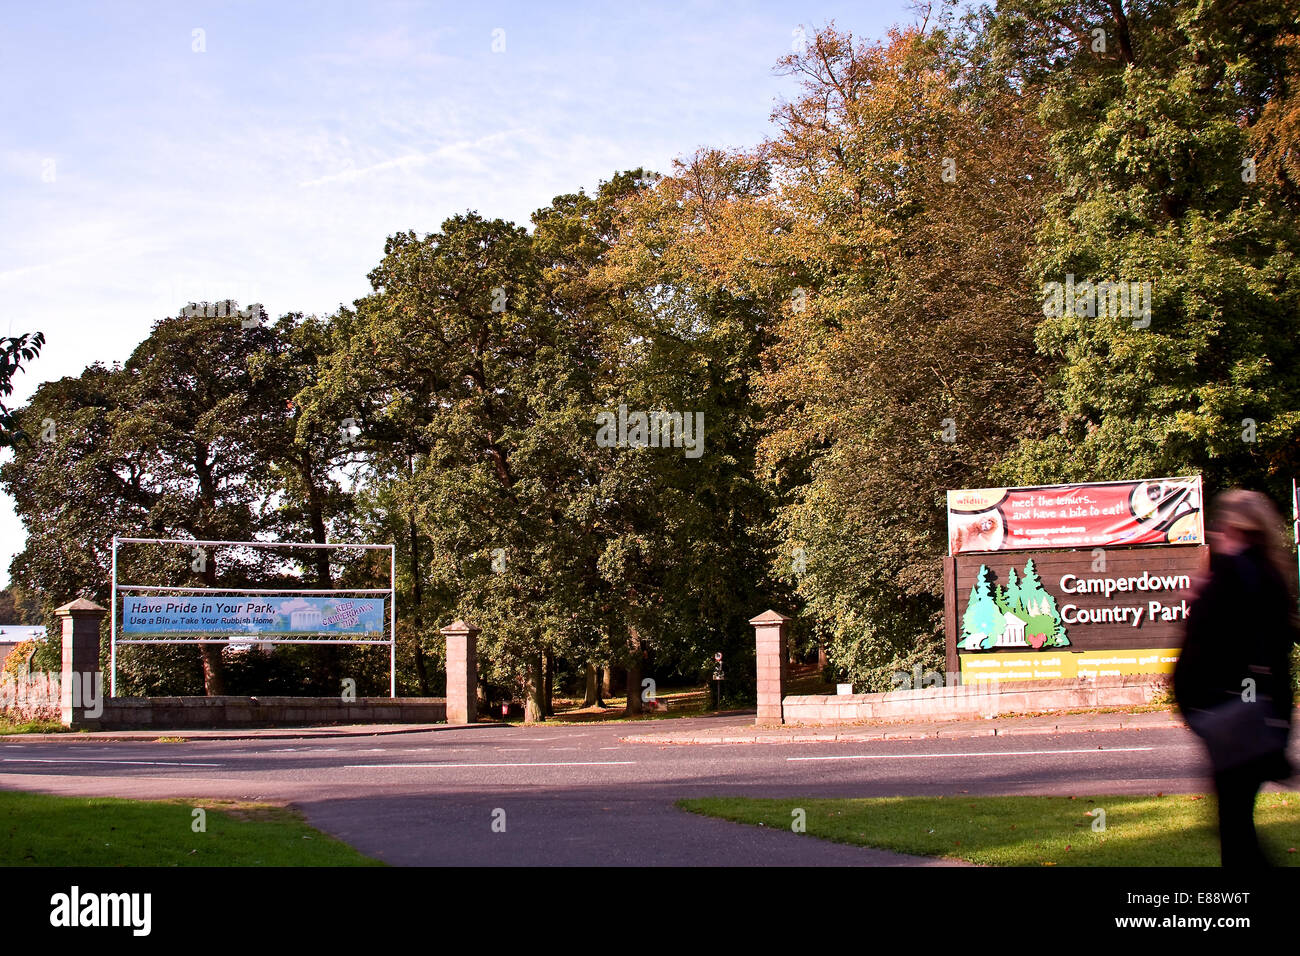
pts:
[272, 166]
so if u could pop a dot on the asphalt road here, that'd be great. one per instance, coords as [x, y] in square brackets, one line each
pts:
[577, 795]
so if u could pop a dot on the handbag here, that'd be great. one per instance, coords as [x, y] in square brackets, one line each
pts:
[1239, 731]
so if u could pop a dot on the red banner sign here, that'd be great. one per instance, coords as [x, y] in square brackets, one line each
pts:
[1100, 515]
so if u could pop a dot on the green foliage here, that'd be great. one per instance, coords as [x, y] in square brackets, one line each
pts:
[1150, 148]
[14, 351]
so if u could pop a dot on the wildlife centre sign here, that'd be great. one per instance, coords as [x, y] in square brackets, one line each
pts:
[1091, 611]
[1102, 515]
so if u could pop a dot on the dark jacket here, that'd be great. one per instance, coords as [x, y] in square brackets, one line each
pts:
[1239, 626]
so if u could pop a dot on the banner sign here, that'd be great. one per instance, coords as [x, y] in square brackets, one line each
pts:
[1070, 614]
[1098, 515]
[1043, 665]
[263, 615]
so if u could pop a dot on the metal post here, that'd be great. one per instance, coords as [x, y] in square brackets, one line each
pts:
[112, 630]
[392, 619]
[1295, 521]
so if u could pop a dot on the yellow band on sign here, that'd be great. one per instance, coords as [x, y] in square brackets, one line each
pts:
[1058, 665]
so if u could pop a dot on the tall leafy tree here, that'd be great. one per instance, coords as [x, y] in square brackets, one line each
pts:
[167, 445]
[1155, 134]
[878, 233]
[468, 389]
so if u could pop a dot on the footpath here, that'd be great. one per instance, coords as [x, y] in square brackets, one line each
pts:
[247, 733]
[918, 730]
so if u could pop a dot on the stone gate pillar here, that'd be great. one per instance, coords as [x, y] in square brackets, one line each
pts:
[462, 672]
[81, 684]
[770, 647]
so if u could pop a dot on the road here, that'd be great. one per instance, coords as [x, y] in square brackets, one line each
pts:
[577, 795]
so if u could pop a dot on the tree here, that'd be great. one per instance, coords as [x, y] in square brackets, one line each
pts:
[469, 393]
[17, 607]
[165, 446]
[982, 618]
[1153, 144]
[688, 528]
[14, 350]
[881, 289]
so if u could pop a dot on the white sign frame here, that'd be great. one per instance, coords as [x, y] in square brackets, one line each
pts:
[391, 591]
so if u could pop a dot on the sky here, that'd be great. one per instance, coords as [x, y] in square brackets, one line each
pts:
[153, 154]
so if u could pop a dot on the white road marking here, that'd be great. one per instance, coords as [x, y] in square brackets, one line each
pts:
[990, 753]
[564, 748]
[609, 748]
[459, 766]
[142, 763]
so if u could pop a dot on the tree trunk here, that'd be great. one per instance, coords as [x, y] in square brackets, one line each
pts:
[591, 696]
[612, 681]
[548, 692]
[633, 706]
[316, 516]
[821, 657]
[534, 698]
[214, 669]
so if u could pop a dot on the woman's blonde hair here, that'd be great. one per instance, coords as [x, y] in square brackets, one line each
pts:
[1253, 516]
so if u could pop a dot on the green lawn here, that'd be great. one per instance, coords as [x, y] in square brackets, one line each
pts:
[1177, 830]
[41, 830]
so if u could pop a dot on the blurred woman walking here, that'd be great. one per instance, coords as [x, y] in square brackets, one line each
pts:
[1233, 677]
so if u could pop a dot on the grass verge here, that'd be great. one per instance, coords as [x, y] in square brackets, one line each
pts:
[42, 830]
[9, 725]
[1174, 830]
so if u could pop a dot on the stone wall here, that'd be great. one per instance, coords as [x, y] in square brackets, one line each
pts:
[977, 700]
[182, 713]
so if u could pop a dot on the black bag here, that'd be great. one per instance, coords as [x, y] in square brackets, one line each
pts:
[1240, 731]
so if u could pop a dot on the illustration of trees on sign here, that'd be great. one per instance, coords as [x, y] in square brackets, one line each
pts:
[982, 624]
[1022, 614]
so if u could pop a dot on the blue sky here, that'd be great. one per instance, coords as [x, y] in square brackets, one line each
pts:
[137, 174]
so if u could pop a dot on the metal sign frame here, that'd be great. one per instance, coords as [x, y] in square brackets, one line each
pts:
[391, 591]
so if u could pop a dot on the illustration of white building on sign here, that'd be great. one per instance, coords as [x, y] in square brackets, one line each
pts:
[305, 619]
[1013, 634]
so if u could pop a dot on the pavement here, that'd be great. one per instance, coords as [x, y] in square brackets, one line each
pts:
[242, 733]
[586, 794]
[1008, 726]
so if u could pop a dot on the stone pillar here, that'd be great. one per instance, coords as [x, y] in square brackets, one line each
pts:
[770, 645]
[462, 672]
[81, 684]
